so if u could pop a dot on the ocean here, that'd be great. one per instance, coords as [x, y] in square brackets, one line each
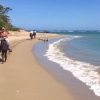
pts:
[79, 54]
[85, 48]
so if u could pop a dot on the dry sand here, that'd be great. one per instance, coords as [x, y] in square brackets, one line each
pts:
[22, 78]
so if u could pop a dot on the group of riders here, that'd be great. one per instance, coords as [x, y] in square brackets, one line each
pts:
[4, 44]
[32, 34]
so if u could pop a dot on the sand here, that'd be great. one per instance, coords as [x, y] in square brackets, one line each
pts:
[22, 78]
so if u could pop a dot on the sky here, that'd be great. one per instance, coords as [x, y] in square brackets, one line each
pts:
[55, 14]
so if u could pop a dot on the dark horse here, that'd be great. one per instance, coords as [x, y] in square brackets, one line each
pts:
[4, 48]
[31, 36]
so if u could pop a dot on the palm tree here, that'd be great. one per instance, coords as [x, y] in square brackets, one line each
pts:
[4, 18]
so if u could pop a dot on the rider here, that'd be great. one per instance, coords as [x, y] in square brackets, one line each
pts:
[4, 34]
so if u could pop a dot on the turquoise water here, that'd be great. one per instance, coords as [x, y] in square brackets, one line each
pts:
[86, 48]
[78, 53]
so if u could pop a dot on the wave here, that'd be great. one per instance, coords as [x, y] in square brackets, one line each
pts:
[84, 72]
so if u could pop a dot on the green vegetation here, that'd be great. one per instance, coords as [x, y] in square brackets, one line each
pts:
[5, 19]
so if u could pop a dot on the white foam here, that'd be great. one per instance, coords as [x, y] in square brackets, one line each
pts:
[85, 72]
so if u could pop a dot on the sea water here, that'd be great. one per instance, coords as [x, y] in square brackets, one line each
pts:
[79, 53]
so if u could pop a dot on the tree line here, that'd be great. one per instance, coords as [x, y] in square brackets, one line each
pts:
[5, 19]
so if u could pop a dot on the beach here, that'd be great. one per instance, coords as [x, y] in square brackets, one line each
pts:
[46, 53]
[23, 78]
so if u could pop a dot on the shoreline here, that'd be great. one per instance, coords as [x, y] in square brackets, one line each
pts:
[22, 78]
[76, 87]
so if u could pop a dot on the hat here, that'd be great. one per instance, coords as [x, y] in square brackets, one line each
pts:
[3, 28]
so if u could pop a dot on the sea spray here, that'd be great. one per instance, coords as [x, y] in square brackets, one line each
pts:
[85, 72]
